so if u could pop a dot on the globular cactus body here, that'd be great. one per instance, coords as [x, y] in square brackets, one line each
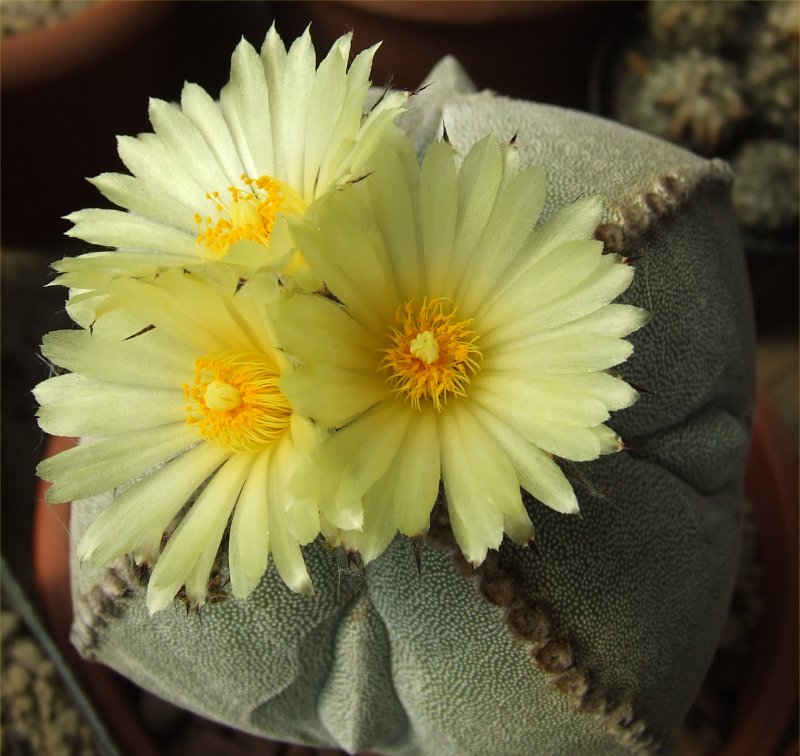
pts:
[595, 640]
[694, 99]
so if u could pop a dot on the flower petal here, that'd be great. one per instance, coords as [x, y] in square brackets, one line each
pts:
[574, 222]
[538, 473]
[542, 397]
[193, 546]
[286, 551]
[571, 441]
[293, 105]
[146, 508]
[100, 466]
[479, 483]
[192, 311]
[554, 276]
[138, 196]
[594, 292]
[147, 360]
[391, 194]
[246, 101]
[248, 554]
[437, 212]
[612, 320]
[332, 396]
[353, 261]
[114, 228]
[341, 472]
[403, 498]
[327, 97]
[205, 114]
[516, 211]
[186, 144]
[579, 353]
[153, 165]
[414, 480]
[315, 328]
[73, 405]
[478, 183]
[95, 269]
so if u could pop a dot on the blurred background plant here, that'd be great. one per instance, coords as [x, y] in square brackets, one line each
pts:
[721, 78]
[19, 17]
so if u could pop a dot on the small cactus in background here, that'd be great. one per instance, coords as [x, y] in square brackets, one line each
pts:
[677, 24]
[721, 78]
[781, 26]
[765, 192]
[771, 75]
[692, 99]
[21, 16]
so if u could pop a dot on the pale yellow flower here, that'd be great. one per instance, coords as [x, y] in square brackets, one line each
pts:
[176, 393]
[462, 345]
[215, 179]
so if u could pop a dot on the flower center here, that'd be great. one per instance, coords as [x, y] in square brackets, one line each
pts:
[249, 213]
[432, 355]
[235, 401]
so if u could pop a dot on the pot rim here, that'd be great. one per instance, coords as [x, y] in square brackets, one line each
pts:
[57, 49]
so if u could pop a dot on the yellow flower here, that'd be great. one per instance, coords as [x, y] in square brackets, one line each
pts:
[215, 179]
[177, 389]
[461, 345]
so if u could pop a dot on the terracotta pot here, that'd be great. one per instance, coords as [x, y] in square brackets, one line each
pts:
[51, 549]
[513, 47]
[75, 41]
[66, 90]
[767, 701]
[459, 12]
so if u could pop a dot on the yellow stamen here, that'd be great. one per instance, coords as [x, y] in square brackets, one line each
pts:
[249, 214]
[432, 355]
[235, 401]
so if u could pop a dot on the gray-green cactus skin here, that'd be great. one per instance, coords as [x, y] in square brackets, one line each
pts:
[594, 641]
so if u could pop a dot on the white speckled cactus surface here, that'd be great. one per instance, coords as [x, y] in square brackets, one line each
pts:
[593, 641]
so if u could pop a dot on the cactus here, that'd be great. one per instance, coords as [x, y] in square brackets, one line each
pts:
[20, 16]
[678, 24]
[734, 94]
[765, 193]
[595, 641]
[692, 99]
[772, 69]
